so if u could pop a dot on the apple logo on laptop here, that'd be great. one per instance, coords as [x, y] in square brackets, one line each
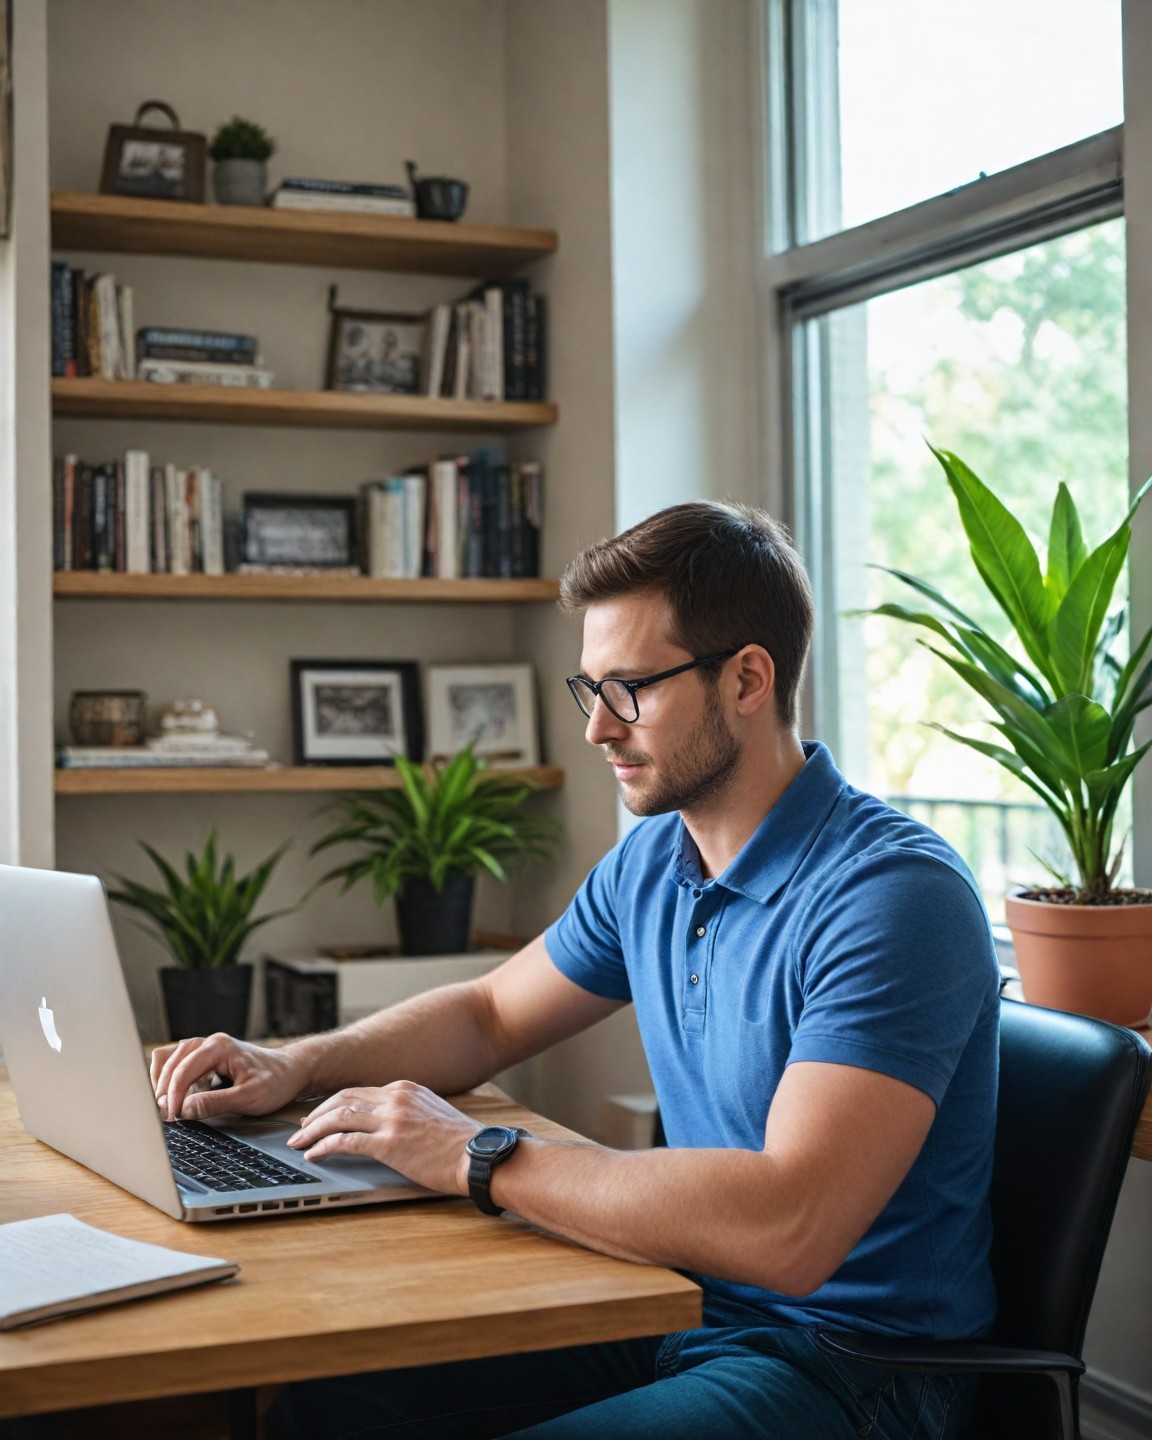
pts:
[48, 1025]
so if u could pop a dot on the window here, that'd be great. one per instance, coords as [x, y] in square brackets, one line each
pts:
[990, 321]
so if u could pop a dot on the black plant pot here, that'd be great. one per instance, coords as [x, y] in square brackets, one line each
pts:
[435, 922]
[200, 1002]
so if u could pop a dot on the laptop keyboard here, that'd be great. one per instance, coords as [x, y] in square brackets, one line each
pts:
[222, 1162]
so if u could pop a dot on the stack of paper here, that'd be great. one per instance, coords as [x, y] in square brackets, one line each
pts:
[56, 1265]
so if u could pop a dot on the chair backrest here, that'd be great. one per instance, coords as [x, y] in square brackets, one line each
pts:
[1071, 1092]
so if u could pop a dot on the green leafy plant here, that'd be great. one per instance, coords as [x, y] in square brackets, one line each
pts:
[1064, 701]
[460, 818]
[239, 139]
[205, 918]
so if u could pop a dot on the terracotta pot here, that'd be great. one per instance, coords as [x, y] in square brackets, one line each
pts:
[1090, 959]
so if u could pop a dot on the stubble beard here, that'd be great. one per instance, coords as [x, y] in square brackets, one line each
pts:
[697, 773]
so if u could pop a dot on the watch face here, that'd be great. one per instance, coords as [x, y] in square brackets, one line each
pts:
[491, 1140]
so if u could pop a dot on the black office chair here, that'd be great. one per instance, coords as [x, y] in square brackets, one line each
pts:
[1071, 1092]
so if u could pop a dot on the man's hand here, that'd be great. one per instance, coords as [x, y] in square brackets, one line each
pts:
[186, 1078]
[403, 1125]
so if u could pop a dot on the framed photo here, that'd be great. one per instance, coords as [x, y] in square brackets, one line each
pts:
[300, 531]
[153, 163]
[375, 351]
[491, 707]
[356, 712]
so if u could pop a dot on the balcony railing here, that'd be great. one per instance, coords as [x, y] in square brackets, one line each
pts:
[999, 839]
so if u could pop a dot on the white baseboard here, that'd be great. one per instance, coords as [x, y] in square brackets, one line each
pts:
[1110, 1410]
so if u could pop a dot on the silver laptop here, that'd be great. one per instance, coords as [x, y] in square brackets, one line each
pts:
[81, 1082]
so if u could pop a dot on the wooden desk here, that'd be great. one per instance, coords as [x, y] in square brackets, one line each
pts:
[374, 1288]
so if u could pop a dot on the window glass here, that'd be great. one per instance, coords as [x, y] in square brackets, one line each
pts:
[933, 92]
[1018, 365]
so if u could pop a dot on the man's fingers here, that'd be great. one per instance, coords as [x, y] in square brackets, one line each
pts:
[339, 1119]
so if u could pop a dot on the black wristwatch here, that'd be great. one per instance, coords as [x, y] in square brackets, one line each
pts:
[486, 1149]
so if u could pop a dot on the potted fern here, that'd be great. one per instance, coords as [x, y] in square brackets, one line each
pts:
[240, 150]
[204, 918]
[1064, 699]
[424, 844]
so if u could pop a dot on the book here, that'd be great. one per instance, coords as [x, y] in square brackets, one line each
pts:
[439, 327]
[55, 1265]
[143, 757]
[204, 372]
[349, 204]
[342, 187]
[223, 346]
[137, 513]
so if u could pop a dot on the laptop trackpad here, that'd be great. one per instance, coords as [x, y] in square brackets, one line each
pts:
[271, 1136]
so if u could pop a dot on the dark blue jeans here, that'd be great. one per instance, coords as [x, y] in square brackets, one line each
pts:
[727, 1381]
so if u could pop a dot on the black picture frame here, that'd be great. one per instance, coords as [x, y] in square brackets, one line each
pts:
[299, 531]
[376, 352]
[356, 712]
[150, 163]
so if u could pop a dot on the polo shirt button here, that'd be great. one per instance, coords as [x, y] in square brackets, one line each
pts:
[695, 979]
[701, 930]
[697, 893]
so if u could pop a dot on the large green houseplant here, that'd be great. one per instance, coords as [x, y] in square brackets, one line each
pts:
[204, 918]
[1065, 699]
[424, 844]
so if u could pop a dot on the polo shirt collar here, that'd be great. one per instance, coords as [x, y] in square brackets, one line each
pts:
[779, 843]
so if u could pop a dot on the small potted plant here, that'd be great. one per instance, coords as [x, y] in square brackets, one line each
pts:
[241, 150]
[204, 919]
[1065, 698]
[425, 843]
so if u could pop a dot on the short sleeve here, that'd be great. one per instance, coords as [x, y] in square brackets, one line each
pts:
[585, 943]
[897, 972]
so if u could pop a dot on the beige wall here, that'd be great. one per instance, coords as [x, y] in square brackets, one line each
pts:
[348, 89]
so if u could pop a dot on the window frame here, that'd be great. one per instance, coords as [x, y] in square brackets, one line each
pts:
[1066, 190]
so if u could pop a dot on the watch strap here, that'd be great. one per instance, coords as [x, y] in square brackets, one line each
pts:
[480, 1169]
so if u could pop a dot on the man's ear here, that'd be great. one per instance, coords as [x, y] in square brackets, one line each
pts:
[755, 680]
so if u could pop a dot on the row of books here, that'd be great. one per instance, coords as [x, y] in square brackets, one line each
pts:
[358, 197]
[459, 516]
[91, 325]
[132, 516]
[489, 345]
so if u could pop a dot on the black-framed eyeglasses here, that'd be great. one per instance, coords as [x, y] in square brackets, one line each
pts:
[620, 695]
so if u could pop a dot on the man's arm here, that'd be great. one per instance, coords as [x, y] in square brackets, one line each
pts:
[838, 1142]
[447, 1040]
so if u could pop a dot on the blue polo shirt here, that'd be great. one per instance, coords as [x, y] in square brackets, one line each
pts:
[843, 932]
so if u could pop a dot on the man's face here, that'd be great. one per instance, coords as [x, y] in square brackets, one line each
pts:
[680, 753]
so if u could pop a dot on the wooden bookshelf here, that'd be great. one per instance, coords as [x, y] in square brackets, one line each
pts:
[323, 409]
[120, 224]
[88, 585]
[276, 779]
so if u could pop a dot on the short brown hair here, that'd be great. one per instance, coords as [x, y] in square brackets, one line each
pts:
[729, 574]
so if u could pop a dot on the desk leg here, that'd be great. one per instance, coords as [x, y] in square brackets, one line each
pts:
[241, 1416]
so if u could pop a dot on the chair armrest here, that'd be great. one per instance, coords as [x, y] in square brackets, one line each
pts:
[957, 1357]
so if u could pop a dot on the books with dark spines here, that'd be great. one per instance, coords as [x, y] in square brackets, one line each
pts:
[63, 320]
[119, 501]
[80, 321]
[502, 485]
[169, 343]
[535, 346]
[82, 519]
[533, 476]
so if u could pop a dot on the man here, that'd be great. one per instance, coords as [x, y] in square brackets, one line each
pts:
[814, 982]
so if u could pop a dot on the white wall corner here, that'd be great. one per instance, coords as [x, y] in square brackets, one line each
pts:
[26, 801]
